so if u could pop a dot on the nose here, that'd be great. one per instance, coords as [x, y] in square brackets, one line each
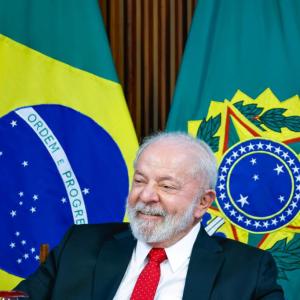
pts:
[149, 193]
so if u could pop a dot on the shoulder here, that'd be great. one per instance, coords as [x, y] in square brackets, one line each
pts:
[91, 235]
[96, 231]
[242, 253]
[228, 246]
[236, 246]
[250, 263]
[233, 251]
[105, 228]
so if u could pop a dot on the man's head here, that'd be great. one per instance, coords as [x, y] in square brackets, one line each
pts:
[172, 188]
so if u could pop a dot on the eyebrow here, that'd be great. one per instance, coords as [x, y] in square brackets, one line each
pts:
[161, 178]
[137, 172]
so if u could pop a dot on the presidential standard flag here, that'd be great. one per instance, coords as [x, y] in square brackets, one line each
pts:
[67, 142]
[238, 90]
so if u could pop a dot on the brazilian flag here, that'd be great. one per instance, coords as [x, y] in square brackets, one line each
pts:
[238, 90]
[67, 141]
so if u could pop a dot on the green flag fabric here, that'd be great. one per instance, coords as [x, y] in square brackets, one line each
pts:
[238, 90]
[67, 140]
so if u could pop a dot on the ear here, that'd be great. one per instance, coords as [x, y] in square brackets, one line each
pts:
[205, 202]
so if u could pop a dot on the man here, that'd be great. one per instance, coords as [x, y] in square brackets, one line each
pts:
[167, 253]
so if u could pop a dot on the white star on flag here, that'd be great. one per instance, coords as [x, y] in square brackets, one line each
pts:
[228, 161]
[253, 161]
[33, 209]
[222, 196]
[13, 213]
[222, 177]
[240, 218]
[277, 150]
[235, 154]
[221, 187]
[257, 224]
[294, 205]
[259, 145]
[296, 169]
[251, 147]
[242, 149]
[282, 217]
[243, 200]
[227, 205]
[278, 169]
[86, 191]
[13, 123]
[247, 222]
[269, 147]
[25, 163]
[232, 212]
[224, 169]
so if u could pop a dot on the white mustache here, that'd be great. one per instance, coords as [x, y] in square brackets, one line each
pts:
[149, 210]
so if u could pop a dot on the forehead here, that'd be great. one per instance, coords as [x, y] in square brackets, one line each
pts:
[166, 156]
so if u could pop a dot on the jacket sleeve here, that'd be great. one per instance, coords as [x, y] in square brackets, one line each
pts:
[39, 285]
[267, 287]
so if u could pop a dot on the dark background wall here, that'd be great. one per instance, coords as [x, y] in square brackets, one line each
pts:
[147, 38]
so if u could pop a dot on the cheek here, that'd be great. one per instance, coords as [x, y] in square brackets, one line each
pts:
[172, 205]
[178, 205]
[133, 197]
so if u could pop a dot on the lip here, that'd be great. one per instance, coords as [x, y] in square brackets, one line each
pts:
[148, 217]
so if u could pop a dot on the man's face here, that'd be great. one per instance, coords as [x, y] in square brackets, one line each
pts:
[164, 200]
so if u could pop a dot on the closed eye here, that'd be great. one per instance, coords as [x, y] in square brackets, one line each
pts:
[138, 180]
[169, 187]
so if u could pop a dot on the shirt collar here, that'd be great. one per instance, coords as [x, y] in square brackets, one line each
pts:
[177, 254]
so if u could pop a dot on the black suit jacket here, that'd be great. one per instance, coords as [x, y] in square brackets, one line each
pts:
[91, 260]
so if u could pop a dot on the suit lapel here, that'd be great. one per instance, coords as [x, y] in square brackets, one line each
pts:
[111, 265]
[205, 262]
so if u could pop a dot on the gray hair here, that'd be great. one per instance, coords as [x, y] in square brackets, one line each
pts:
[205, 161]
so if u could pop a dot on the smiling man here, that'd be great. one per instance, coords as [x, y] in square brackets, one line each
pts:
[164, 202]
[165, 253]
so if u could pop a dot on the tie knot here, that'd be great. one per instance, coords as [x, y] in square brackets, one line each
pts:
[157, 255]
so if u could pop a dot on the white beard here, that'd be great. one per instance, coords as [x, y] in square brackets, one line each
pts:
[153, 231]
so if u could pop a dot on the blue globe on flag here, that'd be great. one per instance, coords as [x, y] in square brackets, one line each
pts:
[246, 173]
[58, 167]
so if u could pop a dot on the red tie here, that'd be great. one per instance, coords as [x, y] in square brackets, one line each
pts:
[147, 282]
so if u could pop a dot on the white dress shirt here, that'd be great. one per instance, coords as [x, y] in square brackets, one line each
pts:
[173, 270]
